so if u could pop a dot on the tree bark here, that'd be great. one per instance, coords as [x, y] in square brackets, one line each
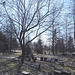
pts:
[23, 55]
[23, 52]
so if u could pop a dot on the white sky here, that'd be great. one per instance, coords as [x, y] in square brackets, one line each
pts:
[68, 9]
[65, 10]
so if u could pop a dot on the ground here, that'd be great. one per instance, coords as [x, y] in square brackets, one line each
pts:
[10, 66]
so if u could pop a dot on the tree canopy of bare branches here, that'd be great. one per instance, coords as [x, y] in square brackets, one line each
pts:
[31, 18]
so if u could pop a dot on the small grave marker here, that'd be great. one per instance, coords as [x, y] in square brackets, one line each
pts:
[41, 58]
[25, 73]
[45, 59]
[57, 72]
[66, 73]
[37, 66]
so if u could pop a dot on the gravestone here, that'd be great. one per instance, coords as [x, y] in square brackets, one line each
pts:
[73, 53]
[18, 59]
[37, 66]
[45, 59]
[66, 73]
[47, 73]
[61, 63]
[48, 60]
[52, 60]
[41, 58]
[34, 59]
[56, 59]
[25, 73]
[57, 72]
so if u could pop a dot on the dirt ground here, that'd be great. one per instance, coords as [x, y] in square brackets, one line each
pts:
[10, 66]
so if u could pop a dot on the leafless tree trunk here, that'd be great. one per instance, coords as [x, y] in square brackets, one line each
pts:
[74, 20]
[56, 12]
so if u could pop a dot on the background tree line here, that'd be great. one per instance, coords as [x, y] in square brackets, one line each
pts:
[5, 44]
[59, 46]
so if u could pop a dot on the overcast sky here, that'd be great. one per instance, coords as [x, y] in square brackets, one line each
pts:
[67, 9]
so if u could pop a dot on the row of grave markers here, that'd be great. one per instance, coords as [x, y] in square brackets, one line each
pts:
[55, 72]
[52, 60]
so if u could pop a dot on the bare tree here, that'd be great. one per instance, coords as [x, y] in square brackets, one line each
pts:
[30, 17]
[74, 19]
[55, 17]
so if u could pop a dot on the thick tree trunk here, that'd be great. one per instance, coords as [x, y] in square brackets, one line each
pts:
[23, 55]
[23, 52]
